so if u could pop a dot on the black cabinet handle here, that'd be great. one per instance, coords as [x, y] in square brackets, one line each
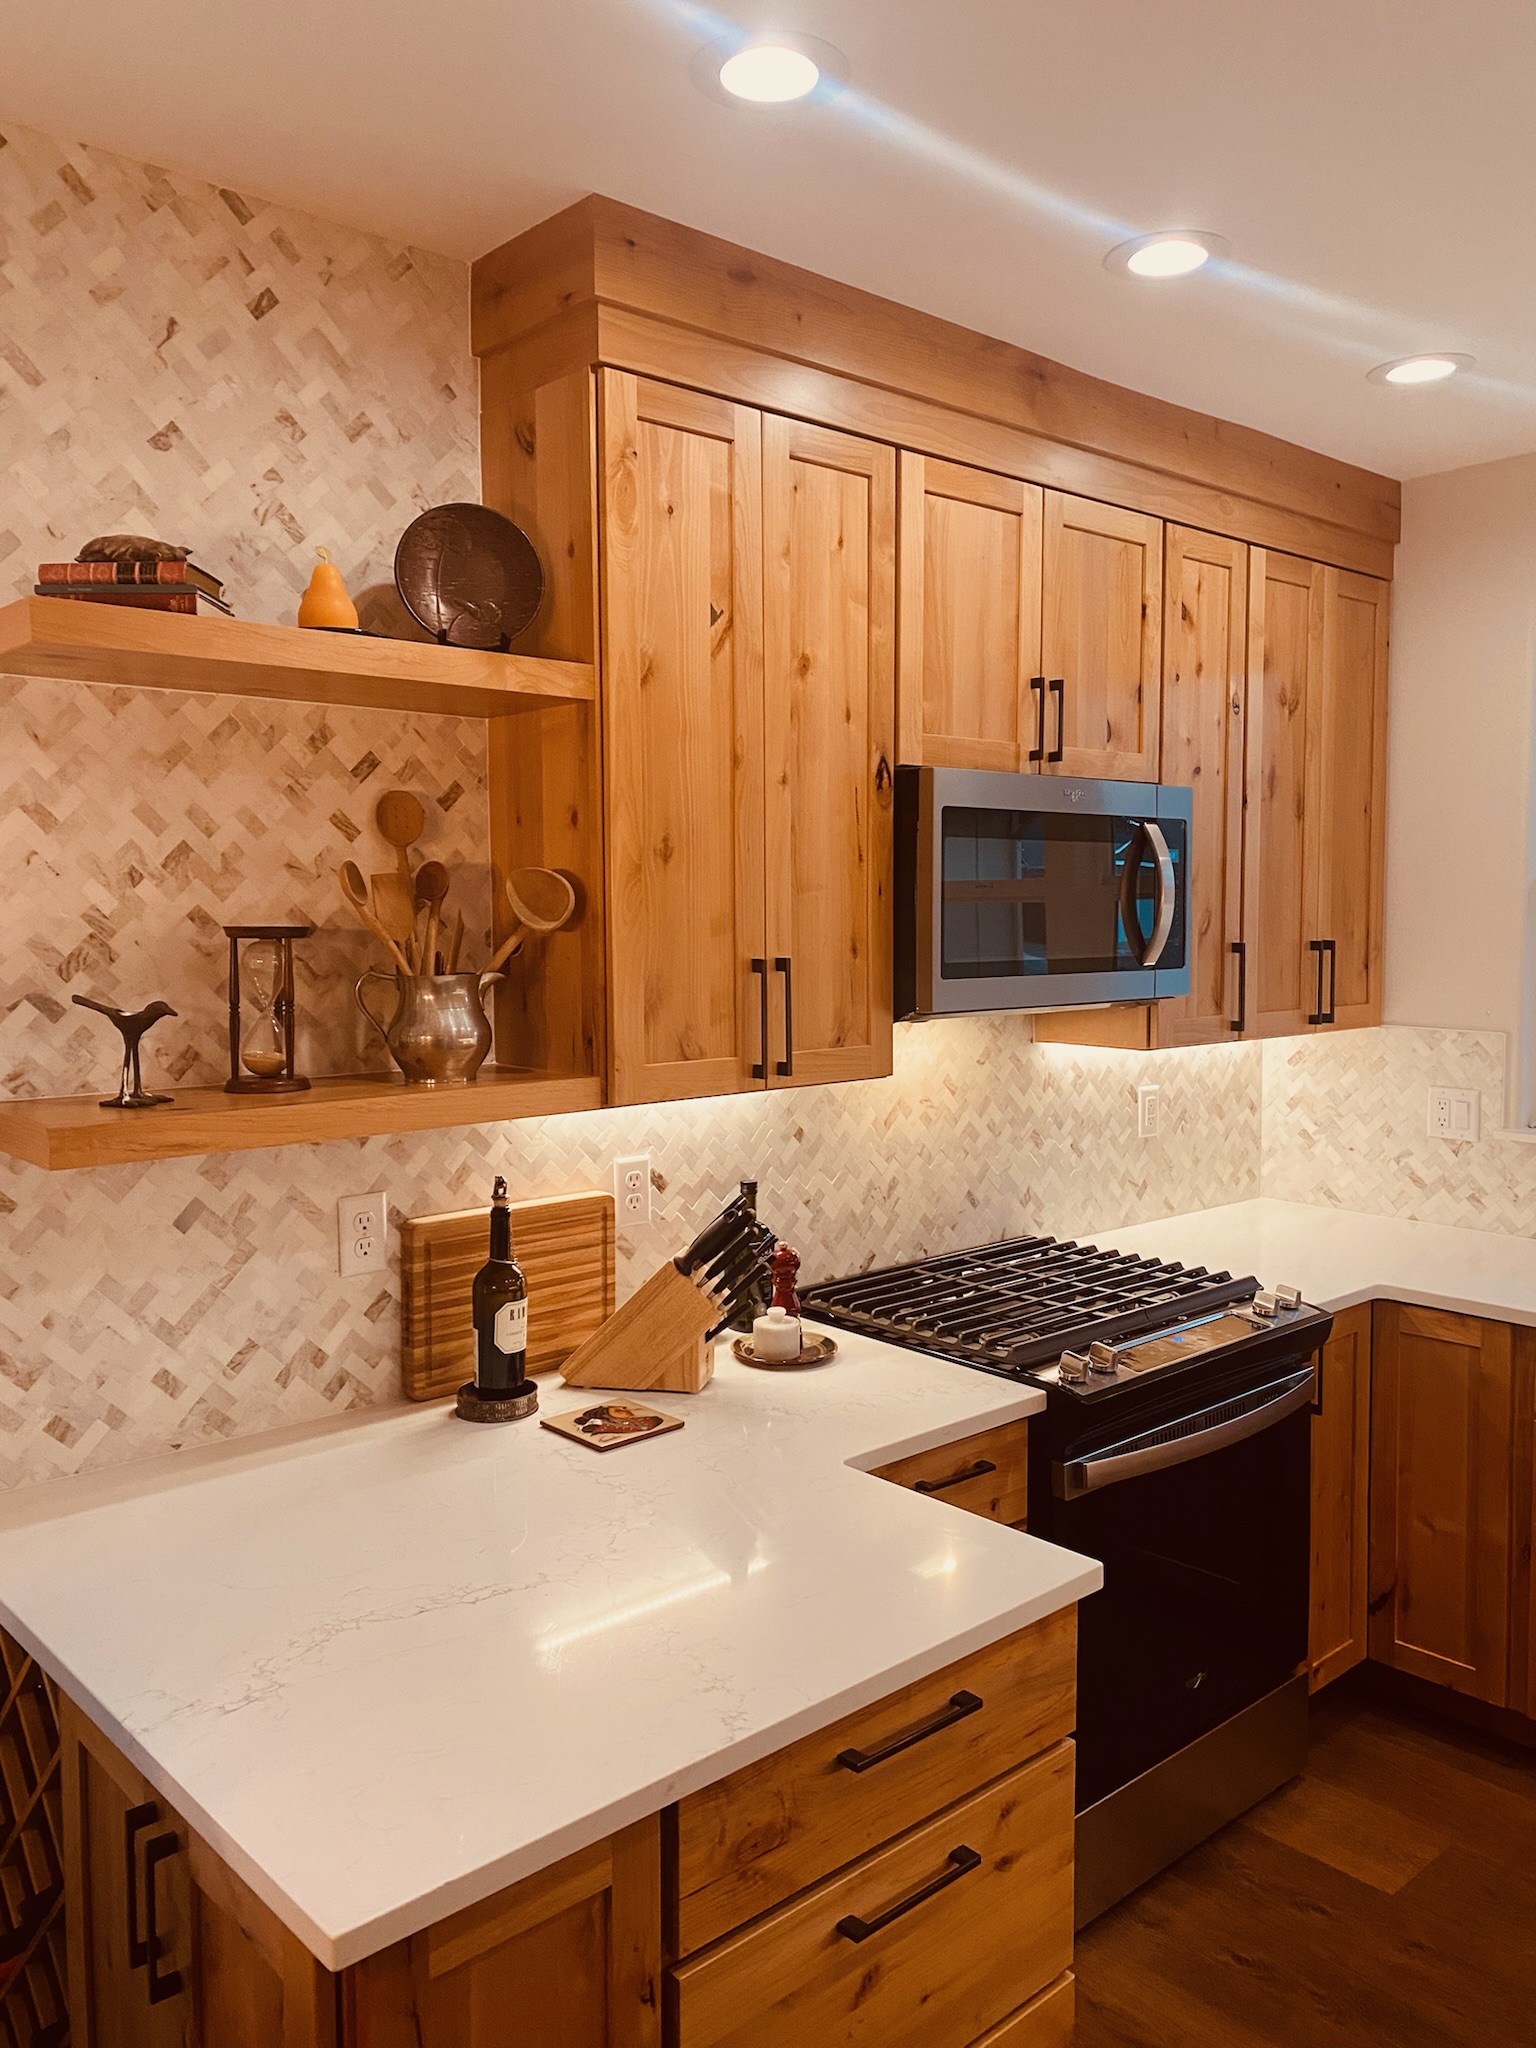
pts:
[135, 1821]
[1327, 953]
[787, 1064]
[1058, 690]
[1037, 751]
[168, 1983]
[1240, 1021]
[961, 1706]
[977, 1471]
[1333, 980]
[1317, 1017]
[958, 1862]
[760, 1066]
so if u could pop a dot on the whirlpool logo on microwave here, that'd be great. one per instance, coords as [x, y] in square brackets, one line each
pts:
[1073, 794]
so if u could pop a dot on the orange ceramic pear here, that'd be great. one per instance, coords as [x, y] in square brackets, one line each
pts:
[325, 604]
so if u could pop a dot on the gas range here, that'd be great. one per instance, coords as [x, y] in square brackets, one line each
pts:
[1089, 1324]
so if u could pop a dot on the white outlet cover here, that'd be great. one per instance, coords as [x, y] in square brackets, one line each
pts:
[632, 1188]
[1148, 1109]
[362, 1224]
[1455, 1114]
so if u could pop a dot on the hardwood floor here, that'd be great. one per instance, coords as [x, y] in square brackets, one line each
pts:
[1386, 1898]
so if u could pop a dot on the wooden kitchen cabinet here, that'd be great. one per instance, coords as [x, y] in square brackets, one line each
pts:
[986, 1474]
[1442, 1477]
[1101, 639]
[1349, 738]
[167, 1947]
[1341, 1479]
[1522, 1658]
[971, 693]
[748, 709]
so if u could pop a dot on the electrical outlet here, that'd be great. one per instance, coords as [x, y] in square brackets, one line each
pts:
[1148, 1109]
[1455, 1113]
[361, 1221]
[632, 1188]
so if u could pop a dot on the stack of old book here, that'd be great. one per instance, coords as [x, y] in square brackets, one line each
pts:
[151, 586]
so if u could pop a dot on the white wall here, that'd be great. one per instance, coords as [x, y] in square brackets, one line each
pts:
[1459, 893]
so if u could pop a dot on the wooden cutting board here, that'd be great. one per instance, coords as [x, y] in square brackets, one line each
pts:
[564, 1246]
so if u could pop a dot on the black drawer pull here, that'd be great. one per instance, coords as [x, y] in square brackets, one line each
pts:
[135, 1820]
[167, 1984]
[957, 1863]
[1037, 751]
[961, 1706]
[979, 1470]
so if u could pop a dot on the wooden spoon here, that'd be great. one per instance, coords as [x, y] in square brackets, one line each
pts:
[394, 905]
[431, 888]
[401, 821]
[543, 899]
[355, 890]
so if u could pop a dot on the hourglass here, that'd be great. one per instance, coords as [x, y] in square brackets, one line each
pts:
[261, 1009]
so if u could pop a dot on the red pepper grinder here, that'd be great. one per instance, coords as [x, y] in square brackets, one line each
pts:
[783, 1269]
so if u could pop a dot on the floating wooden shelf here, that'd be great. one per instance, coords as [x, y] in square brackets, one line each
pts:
[72, 1130]
[99, 643]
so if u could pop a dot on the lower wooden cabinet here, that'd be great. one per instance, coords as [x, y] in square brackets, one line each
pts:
[925, 1943]
[1442, 1481]
[1341, 1488]
[987, 1474]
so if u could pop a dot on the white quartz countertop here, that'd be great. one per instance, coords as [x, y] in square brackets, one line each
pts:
[1338, 1258]
[388, 1669]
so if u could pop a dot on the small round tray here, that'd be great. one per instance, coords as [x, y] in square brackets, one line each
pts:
[813, 1351]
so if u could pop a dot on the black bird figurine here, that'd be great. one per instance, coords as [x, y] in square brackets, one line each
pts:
[133, 1025]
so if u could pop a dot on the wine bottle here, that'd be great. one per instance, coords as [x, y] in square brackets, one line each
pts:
[501, 1313]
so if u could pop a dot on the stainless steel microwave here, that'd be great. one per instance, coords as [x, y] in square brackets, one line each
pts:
[1037, 892]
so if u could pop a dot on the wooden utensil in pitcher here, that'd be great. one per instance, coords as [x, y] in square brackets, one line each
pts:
[431, 888]
[355, 891]
[543, 899]
[401, 820]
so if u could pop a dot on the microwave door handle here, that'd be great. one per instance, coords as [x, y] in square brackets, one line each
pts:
[1165, 900]
[1130, 923]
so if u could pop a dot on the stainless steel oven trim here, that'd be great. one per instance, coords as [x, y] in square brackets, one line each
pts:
[1156, 1451]
[1001, 789]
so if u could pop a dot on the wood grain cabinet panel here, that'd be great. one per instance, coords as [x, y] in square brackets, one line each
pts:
[976, 1909]
[683, 717]
[987, 1474]
[969, 639]
[1205, 689]
[1349, 805]
[829, 599]
[1102, 639]
[745, 1845]
[1522, 1673]
[1442, 1469]
[1341, 1477]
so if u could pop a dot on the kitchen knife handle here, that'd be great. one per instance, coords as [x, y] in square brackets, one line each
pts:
[956, 1865]
[760, 1065]
[961, 1706]
[786, 1066]
[1037, 751]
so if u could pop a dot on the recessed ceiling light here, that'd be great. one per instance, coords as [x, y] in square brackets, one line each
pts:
[1419, 369]
[769, 73]
[1173, 253]
[766, 70]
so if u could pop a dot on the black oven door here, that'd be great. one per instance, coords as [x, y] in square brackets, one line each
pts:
[1200, 1519]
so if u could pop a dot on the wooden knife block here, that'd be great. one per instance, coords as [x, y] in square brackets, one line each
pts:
[657, 1341]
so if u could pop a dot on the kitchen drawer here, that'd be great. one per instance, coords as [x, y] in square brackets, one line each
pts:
[986, 1474]
[747, 1844]
[1046, 2022]
[976, 1907]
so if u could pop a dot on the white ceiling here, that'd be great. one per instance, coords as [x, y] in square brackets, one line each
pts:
[1372, 163]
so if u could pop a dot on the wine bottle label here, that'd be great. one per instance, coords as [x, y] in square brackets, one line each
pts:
[509, 1332]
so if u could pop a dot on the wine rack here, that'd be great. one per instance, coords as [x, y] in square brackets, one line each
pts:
[33, 2010]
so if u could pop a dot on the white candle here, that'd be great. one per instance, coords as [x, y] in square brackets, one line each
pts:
[776, 1335]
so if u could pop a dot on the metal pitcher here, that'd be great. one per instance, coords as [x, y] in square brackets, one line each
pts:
[439, 1035]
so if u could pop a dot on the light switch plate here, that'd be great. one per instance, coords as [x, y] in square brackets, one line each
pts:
[361, 1225]
[1455, 1113]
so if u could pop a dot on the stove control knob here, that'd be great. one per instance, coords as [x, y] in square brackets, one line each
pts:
[1288, 1297]
[1101, 1359]
[1073, 1368]
[1264, 1303]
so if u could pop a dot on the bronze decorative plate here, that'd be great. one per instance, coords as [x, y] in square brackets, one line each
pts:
[469, 576]
[813, 1351]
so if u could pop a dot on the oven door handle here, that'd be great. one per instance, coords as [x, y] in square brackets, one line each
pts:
[1211, 1429]
[1147, 953]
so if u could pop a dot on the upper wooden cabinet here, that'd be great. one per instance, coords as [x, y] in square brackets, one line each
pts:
[971, 687]
[1442, 1473]
[1349, 803]
[1101, 646]
[1205, 687]
[748, 621]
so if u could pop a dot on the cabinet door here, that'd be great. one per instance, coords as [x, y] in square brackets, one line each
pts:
[829, 529]
[1285, 663]
[682, 708]
[1205, 661]
[969, 645]
[122, 1891]
[569, 1958]
[1350, 719]
[1341, 1479]
[1102, 639]
[1522, 1673]
[1442, 1414]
